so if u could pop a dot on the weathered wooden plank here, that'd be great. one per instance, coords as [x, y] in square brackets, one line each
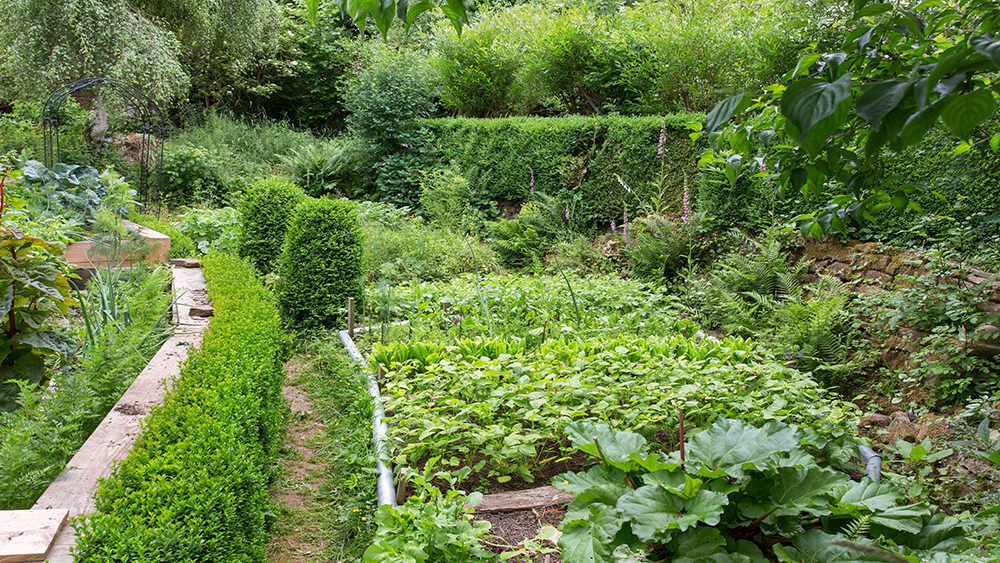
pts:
[113, 438]
[523, 500]
[25, 535]
[80, 253]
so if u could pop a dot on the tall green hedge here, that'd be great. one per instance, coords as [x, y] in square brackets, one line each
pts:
[194, 487]
[321, 264]
[968, 183]
[265, 212]
[576, 159]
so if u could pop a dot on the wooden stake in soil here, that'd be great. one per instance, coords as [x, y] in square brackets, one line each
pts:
[350, 317]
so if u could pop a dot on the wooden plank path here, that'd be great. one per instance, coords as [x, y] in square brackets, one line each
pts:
[73, 490]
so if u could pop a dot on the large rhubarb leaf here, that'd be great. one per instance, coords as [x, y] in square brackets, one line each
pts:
[816, 546]
[866, 494]
[733, 447]
[589, 540]
[616, 446]
[937, 530]
[677, 482]
[655, 511]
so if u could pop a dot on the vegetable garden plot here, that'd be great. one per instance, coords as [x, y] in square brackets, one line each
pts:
[488, 402]
[533, 308]
[492, 406]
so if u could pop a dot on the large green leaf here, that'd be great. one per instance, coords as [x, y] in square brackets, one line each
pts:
[6, 296]
[700, 544]
[23, 364]
[723, 111]
[816, 546]
[988, 46]
[617, 446]
[808, 101]
[48, 340]
[734, 447]
[790, 492]
[654, 511]
[879, 99]
[677, 482]
[963, 113]
[868, 494]
[936, 531]
[908, 519]
[599, 484]
[589, 541]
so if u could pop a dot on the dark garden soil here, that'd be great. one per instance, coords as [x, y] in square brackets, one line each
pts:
[509, 529]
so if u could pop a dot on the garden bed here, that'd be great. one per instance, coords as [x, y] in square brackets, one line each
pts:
[489, 402]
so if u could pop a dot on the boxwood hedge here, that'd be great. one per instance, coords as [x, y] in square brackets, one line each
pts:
[194, 487]
[321, 264]
[576, 159]
[266, 211]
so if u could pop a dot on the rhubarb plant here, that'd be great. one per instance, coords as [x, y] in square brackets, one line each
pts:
[32, 285]
[740, 493]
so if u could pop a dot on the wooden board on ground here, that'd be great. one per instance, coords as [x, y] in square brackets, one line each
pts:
[25, 535]
[113, 438]
[523, 500]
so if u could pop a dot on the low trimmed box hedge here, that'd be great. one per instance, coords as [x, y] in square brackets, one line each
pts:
[194, 487]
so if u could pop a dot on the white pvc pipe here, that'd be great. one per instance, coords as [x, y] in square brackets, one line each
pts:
[384, 486]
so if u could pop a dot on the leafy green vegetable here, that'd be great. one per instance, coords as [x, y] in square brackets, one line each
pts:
[739, 493]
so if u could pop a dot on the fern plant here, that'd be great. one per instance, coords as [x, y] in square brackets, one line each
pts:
[759, 291]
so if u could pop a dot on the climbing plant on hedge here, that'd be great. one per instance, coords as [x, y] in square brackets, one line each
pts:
[321, 264]
[266, 210]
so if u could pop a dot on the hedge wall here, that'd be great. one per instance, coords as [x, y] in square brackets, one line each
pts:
[576, 159]
[969, 183]
[194, 487]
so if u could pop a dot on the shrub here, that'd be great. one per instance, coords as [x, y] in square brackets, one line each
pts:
[212, 230]
[191, 175]
[445, 199]
[388, 96]
[647, 57]
[207, 452]
[386, 100]
[578, 65]
[577, 160]
[321, 263]
[478, 79]
[266, 211]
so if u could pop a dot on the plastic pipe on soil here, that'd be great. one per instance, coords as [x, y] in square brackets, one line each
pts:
[384, 486]
[873, 463]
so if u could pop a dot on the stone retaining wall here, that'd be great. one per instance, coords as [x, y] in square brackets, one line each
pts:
[874, 266]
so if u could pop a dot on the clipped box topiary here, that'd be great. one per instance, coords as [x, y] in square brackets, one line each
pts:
[321, 263]
[266, 211]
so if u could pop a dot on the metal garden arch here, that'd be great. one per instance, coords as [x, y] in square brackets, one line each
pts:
[143, 113]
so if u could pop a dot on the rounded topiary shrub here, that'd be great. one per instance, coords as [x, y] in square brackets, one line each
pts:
[266, 210]
[321, 264]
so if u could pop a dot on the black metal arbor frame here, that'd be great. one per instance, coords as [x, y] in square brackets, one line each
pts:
[143, 111]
